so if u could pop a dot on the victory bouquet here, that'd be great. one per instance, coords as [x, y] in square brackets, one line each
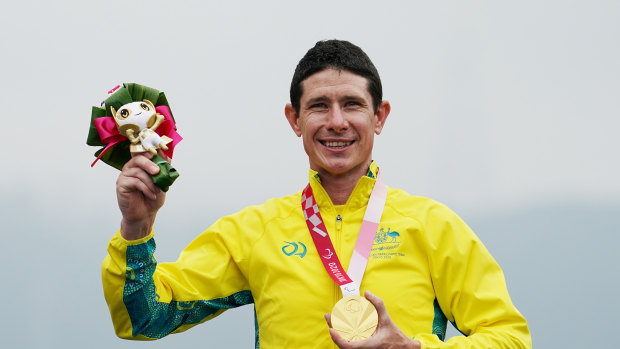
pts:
[135, 119]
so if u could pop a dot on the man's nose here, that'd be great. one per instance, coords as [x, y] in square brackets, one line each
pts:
[336, 119]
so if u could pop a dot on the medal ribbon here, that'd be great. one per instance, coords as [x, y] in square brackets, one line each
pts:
[349, 282]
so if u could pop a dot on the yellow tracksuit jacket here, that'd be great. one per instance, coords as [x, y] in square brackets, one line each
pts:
[425, 263]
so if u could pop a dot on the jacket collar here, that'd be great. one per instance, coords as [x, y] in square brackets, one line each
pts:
[358, 198]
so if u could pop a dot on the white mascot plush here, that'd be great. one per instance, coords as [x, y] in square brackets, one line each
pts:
[138, 122]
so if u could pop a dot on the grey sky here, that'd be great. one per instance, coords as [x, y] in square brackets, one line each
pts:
[505, 111]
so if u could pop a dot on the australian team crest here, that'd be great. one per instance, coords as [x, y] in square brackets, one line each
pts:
[387, 237]
[386, 244]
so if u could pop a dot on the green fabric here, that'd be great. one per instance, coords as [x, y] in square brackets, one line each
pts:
[166, 175]
[440, 322]
[140, 298]
[93, 134]
[116, 156]
[131, 92]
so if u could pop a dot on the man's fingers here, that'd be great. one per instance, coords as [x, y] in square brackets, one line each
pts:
[133, 178]
[339, 341]
[129, 184]
[328, 318]
[376, 301]
[135, 172]
[343, 343]
[144, 162]
[145, 154]
[336, 338]
[163, 155]
[382, 313]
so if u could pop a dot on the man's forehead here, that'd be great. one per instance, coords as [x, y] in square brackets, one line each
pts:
[333, 72]
[330, 81]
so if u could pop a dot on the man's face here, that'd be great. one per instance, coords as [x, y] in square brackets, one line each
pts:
[337, 122]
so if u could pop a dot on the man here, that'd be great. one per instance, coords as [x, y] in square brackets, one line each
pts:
[425, 266]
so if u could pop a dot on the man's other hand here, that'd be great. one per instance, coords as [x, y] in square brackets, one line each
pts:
[387, 334]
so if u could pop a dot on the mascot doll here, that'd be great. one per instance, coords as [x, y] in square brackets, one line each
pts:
[135, 119]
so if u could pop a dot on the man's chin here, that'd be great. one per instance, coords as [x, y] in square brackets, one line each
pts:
[341, 168]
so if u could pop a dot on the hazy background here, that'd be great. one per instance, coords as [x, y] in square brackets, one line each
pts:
[505, 111]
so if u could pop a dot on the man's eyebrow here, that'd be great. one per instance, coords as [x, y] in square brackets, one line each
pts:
[325, 99]
[352, 97]
[317, 99]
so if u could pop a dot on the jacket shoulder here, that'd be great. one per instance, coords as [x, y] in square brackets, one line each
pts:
[273, 208]
[433, 217]
[415, 206]
[253, 219]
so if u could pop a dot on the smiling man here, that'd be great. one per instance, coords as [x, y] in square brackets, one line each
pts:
[337, 120]
[296, 258]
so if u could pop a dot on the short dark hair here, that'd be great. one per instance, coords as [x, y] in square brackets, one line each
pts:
[339, 55]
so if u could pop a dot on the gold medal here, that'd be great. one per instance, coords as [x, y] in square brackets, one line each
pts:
[354, 318]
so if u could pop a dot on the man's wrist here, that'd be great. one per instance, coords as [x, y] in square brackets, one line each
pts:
[134, 230]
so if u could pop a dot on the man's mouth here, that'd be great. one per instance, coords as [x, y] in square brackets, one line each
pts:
[338, 144]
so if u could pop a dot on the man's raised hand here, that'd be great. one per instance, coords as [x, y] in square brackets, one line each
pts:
[138, 198]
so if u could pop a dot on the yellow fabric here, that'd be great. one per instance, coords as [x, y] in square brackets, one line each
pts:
[423, 251]
[339, 208]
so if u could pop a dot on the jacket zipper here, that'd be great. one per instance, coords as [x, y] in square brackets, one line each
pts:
[339, 224]
[338, 235]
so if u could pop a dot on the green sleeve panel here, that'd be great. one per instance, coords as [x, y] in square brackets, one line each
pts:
[146, 303]
[154, 319]
[440, 322]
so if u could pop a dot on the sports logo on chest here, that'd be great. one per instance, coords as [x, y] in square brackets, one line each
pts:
[294, 249]
[386, 244]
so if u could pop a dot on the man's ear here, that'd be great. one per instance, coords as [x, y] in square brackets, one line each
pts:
[293, 119]
[382, 113]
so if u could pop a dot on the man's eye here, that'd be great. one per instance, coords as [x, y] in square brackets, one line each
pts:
[145, 106]
[352, 104]
[318, 106]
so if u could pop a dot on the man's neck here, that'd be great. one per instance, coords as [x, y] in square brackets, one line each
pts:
[338, 192]
[340, 187]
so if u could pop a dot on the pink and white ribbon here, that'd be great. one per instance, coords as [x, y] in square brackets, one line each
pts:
[351, 280]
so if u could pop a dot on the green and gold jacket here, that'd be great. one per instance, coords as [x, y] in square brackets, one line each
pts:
[426, 264]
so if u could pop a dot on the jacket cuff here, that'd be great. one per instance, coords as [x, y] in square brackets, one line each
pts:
[119, 241]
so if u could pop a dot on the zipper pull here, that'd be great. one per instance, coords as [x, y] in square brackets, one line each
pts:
[339, 222]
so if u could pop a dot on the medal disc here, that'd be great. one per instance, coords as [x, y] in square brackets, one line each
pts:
[354, 318]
